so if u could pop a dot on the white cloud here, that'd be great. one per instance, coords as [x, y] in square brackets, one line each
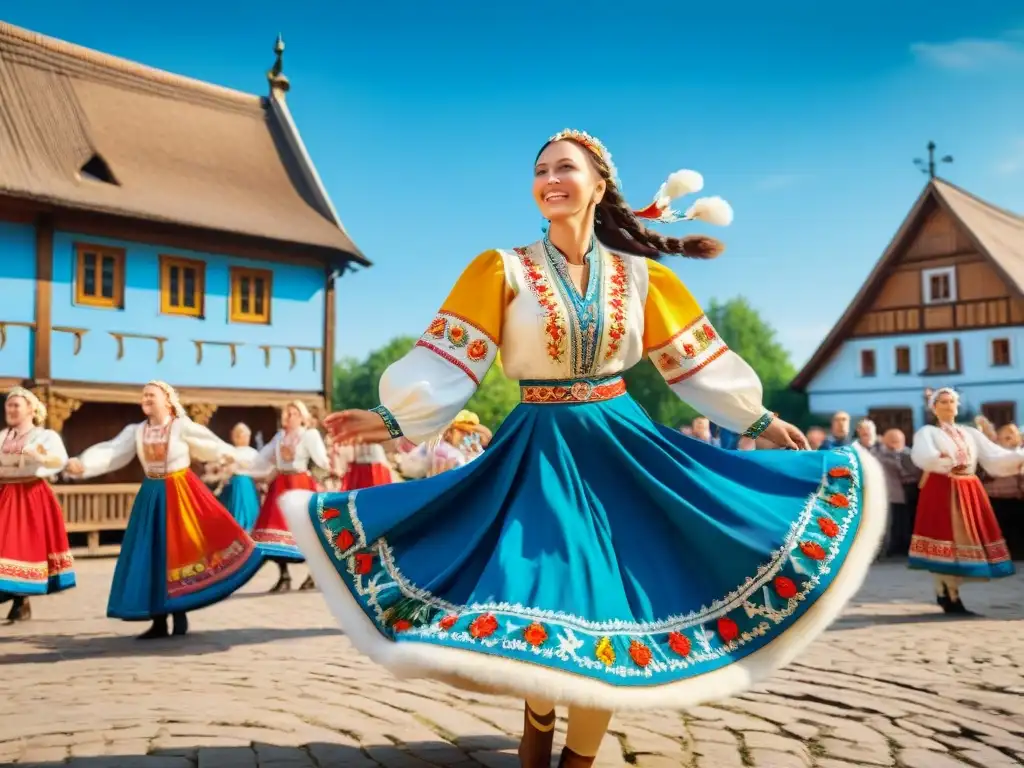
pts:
[779, 181]
[973, 53]
[1013, 161]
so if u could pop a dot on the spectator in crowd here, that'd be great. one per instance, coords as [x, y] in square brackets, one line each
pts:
[902, 477]
[816, 437]
[1005, 493]
[867, 434]
[839, 437]
[700, 429]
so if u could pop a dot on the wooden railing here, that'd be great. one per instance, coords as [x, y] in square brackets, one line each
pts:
[91, 509]
[960, 316]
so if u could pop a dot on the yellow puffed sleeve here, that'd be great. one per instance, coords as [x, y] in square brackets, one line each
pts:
[695, 361]
[422, 392]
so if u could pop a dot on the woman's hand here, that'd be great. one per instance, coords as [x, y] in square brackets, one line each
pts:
[785, 435]
[74, 468]
[355, 426]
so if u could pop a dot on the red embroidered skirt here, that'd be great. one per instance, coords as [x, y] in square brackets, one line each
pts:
[34, 554]
[365, 476]
[956, 532]
[270, 532]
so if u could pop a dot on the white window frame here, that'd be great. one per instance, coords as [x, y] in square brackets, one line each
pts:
[926, 284]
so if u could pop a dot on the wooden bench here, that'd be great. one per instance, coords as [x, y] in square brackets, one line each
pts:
[92, 509]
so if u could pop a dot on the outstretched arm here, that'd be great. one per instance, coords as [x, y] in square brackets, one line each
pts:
[698, 365]
[422, 392]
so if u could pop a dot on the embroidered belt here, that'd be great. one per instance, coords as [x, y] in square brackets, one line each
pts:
[164, 476]
[18, 480]
[571, 391]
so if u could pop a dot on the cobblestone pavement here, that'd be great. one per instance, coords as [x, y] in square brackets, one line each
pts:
[267, 680]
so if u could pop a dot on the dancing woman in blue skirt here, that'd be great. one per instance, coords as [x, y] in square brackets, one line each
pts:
[590, 557]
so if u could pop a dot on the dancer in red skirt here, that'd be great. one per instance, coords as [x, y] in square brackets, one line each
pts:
[182, 549]
[287, 458]
[361, 466]
[35, 558]
[956, 536]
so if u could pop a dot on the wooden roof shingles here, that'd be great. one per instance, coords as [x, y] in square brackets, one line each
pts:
[180, 151]
[998, 235]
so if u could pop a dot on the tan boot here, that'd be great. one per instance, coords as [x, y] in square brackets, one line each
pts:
[538, 738]
[570, 759]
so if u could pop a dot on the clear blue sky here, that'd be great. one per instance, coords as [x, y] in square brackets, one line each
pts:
[424, 118]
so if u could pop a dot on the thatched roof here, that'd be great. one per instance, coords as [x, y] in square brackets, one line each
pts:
[80, 129]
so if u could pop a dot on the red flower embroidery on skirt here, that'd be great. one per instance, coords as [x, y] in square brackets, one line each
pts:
[483, 626]
[840, 472]
[344, 539]
[535, 634]
[829, 527]
[728, 630]
[813, 550]
[364, 563]
[785, 587]
[640, 653]
[448, 622]
[839, 500]
[401, 625]
[679, 643]
[330, 513]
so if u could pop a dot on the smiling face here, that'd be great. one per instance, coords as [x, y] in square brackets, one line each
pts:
[17, 411]
[155, 403]
[945, 408]
[291, 418]
[565, 182]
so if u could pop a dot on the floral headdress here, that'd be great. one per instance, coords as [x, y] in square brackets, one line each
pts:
[172, 397]
[943, 391]
[713, 210]
[38, 409]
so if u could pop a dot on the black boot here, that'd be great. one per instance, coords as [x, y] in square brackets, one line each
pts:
[944, 601]
[21, 610]
[538, 739]
[284, 581]
[307, 584]
[957, 607]
[180, 624]
[157, 631]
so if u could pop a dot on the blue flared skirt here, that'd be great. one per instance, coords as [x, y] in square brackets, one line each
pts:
[593, 556]
[181, 551]
[240, 497]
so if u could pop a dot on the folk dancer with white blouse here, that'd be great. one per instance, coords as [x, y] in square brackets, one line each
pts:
[956, 535]
[286, 458]
[182, 550]
[235, 483]
[35, 558]
[589, 557]
[360, 466]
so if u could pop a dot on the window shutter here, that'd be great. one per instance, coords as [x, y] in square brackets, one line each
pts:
[956, 356]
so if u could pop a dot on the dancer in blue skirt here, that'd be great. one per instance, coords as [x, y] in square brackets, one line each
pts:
[590, 557]
[237, 484]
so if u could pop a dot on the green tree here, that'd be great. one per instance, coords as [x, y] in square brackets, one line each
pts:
[646, 385]
[749, 336]
[356, 382]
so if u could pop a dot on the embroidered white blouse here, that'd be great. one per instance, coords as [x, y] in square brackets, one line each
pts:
[163, 449]
[37, 453]
[522, 302]
[292, 452]
[939, 449]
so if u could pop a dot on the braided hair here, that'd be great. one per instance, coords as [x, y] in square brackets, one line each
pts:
[617, 228]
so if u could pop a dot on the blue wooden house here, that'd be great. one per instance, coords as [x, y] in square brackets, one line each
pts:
[155, 226]
[944, 306]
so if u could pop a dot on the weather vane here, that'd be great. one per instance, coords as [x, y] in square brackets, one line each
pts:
[929, 166]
